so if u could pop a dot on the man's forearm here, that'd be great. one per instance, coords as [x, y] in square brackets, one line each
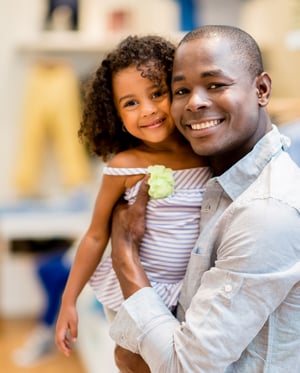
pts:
[128, 227]
[129, 271]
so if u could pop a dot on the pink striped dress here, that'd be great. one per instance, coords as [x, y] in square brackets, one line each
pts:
[171, 232]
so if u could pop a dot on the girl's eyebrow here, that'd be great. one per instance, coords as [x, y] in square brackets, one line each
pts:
[126, 97]
[131, 95]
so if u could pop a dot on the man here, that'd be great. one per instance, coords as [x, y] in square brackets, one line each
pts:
[239, 306]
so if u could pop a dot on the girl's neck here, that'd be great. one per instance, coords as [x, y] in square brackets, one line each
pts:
[175, 153]
[174, 143]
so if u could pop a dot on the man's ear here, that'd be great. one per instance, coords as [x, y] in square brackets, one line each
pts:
[263, 88]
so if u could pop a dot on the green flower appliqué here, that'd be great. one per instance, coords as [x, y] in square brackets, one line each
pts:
[161, 181]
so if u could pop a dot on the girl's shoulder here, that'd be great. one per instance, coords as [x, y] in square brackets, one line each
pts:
[138, 158]
[130, 158]
[127, 164]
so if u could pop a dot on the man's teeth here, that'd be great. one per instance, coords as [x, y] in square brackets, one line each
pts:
[200, 126]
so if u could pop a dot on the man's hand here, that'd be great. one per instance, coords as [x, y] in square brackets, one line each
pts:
[129, 220]
[128, 362]
[128, 226]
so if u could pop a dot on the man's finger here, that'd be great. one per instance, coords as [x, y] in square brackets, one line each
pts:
[143, 196]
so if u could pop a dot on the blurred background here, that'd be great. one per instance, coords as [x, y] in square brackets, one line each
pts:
[49, 182]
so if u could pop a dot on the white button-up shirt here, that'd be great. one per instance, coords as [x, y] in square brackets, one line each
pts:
[239, 309]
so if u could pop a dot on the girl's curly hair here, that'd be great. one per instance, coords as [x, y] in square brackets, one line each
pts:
[101, 127]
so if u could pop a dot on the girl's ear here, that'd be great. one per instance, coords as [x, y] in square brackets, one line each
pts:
[263, 88]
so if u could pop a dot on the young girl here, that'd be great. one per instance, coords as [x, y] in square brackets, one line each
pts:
[127, 122]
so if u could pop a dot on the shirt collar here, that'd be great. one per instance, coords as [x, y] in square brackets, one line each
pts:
[243, 173]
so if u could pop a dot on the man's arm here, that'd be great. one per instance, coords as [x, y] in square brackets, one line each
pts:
[127, 232]
[129, 362]
[127, 265]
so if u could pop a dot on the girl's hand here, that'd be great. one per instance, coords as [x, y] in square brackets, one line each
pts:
[66, 329]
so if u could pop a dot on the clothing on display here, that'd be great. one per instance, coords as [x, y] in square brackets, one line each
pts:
[52, 113]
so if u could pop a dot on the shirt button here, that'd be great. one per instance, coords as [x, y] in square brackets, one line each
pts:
[228, 288]
[205, 208]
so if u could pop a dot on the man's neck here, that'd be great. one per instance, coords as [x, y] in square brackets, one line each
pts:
[223, 161]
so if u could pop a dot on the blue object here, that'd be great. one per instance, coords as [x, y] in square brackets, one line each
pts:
[188, 20]
[53, 273]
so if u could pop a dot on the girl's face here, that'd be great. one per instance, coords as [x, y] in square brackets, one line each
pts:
[143, 107]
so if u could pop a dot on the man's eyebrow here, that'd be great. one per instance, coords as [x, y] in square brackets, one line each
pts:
[217, 72]
[177, 78]
[205, 74]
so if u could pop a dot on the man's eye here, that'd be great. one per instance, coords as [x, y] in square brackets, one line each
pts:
[216, 85]
[180, 92]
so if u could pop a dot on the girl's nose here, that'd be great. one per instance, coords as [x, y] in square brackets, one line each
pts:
[149, 109]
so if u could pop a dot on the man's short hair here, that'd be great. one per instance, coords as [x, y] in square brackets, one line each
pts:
[244, 48]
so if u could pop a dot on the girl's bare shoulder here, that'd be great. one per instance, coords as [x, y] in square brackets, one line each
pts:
[131, 158]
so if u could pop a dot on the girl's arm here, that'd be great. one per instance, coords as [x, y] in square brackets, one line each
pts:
[88, 256]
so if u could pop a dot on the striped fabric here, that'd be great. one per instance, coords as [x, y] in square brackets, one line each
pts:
[172, 229]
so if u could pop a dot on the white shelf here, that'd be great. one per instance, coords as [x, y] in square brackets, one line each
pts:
[43, 225]
[67, 41]
[21, 293]
[77, 42]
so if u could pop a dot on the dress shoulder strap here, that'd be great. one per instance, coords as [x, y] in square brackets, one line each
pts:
[124, 171]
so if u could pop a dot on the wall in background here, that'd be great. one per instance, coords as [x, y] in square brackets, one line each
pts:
[271, 22]
[102, 23]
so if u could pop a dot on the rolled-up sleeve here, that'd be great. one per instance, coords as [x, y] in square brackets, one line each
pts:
[145, 325]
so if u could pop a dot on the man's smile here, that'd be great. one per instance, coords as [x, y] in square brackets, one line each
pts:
[203, 125]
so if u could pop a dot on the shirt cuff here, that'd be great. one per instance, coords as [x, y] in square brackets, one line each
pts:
[139, 315]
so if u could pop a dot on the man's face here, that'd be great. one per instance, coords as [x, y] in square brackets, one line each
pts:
[215, 101]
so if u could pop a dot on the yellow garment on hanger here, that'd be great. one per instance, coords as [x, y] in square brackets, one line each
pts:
[52, 113]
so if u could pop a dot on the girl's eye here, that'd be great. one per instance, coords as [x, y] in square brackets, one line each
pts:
[160, 93]
[130, 103]
[157, 94]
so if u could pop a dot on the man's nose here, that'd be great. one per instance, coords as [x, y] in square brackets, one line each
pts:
[197, 100]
